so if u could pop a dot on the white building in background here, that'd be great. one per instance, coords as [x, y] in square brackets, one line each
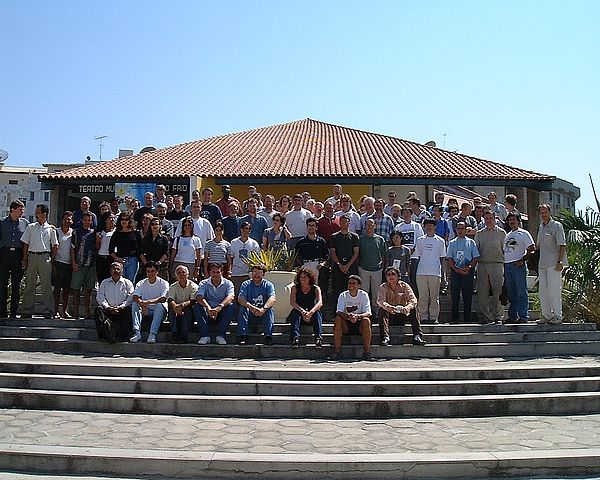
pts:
[21, 183]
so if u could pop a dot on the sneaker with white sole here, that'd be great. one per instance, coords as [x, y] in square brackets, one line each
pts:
[137, 337]
[221, 340]
[204, 341]
[151, 338]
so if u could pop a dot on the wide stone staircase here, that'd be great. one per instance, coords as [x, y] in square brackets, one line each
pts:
[468, 372]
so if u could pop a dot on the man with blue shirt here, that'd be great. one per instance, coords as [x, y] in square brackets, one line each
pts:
[214, 304]
[257, 223]
[11, 251]
[256, 298]
[463, 256]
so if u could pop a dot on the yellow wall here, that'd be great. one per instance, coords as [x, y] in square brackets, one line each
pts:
[317, 191]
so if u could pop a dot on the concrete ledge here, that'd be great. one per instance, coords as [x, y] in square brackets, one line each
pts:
[304, 407]
[215, 465]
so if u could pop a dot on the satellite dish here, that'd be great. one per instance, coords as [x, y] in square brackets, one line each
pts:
[430, 143]
[147, 149]
[3, 155]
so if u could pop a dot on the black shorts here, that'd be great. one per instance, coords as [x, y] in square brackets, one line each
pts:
[62, 279]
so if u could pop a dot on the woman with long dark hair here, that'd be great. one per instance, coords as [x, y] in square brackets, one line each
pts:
[155, 247]
[306, 302]
[124, 246]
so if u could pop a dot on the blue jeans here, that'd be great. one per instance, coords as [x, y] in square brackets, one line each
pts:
[462, 284]
[157, 311]
[246, 317]
[515, 279]
[296, 321]
[181, 324]
[130, 268]
[223, 318]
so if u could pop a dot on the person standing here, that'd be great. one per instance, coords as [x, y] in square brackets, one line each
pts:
[552, 245]
[373, 250]
[84, 207]
[40, 243]
[125, 244]
[257, 222]
[226, 199]
[344, 252]
[431, 250]
[240, 250]
[490, 268]
[463, 256]
[296, 219]
[518, 245]
[410, 231]
[210, 211]
[103, 259]
[11, 252]
[147, 208]
[61, 266]
[83, 263]
[312, 250]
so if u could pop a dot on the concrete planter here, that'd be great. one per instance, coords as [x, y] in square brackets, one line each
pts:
[283, 282]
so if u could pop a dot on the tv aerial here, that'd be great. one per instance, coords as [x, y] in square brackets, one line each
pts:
[3, 155]
[100, 137]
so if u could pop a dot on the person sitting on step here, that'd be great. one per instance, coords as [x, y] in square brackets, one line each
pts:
[353, 315]
[397, 302]
[214, 304]
[114, 302]
[181, 299]
[149, 299]
[256, 297]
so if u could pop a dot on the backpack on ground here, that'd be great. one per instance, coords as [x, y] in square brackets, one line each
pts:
[105, 327]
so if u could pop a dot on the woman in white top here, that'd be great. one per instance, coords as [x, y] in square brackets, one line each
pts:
[187, 250]
[103, 260]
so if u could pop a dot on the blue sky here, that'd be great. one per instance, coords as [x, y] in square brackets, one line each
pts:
[511, 81]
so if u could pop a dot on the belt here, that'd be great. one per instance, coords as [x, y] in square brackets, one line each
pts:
[313, 260]
[104, 256]
[39, 253]
[11, 249]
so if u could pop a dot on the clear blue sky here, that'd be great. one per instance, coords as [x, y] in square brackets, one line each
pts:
[516, 82]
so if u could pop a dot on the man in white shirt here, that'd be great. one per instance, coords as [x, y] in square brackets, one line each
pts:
[518, 245]
[410, 231]
[353, 315]
[295, 221]
[202, 227]
[114, 302]
[149, 299]
[40, 243]
[431, 251]
[240, 250]
[552, 245]
[346, 207]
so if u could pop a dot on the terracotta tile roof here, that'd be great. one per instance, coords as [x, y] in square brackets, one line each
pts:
[305, 148]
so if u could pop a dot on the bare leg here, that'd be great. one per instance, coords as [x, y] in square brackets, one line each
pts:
[365, 331]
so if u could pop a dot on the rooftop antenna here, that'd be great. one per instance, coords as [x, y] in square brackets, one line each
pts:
[101, 137]
[444, 135]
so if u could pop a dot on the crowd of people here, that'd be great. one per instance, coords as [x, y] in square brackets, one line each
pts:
[373, 259]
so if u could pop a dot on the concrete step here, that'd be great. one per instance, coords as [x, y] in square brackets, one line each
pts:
[298, 465]
[273, 406]
[298, 388]
[378, 371]
[350, 351]
[398, 336]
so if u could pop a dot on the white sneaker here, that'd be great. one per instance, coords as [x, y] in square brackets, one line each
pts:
[137, 337]
[221, 340]
[204, 340]
[151, 338]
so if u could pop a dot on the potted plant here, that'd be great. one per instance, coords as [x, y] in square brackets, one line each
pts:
[280, 272]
